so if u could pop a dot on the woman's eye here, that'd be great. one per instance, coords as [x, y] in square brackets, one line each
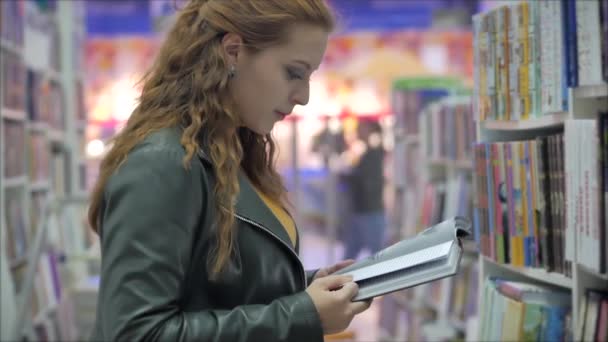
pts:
[293, 75]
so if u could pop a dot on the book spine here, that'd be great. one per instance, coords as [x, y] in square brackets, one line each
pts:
[523, 167]
[517, 239]
[510, 200]
[497, 216]
[554, 227]
[571, 163]
[589, 44]
[524, 62]
[534, 90]
[491, 197]
[533, 159]
[604, 116]
[547, 51]
[503, 197]
[602, 186]
[561, 199]
[515, 61]
[604, 17]
[569, 11]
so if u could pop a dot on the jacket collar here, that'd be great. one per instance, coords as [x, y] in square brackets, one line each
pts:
[250, 207]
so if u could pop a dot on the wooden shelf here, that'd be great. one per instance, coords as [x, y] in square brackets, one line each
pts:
[545, 121]
[12, 114]
[591, 91]
[537, 274]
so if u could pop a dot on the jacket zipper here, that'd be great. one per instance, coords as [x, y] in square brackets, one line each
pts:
[301, 268]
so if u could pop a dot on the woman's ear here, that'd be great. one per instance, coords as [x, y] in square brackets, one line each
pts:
[232, 44]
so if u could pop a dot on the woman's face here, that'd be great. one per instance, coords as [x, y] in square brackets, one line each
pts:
[268, 84]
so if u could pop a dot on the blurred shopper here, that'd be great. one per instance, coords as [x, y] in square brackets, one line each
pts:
[366, 186]
[197, 243]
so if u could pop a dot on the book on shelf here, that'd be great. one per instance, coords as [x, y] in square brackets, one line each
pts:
[14, 148]
[11, 22]
[16, 233]
[582, 159]
[535, 199]
[13, 80]
[432, 254]
[521, 311]
[593, 317]
[528, 53]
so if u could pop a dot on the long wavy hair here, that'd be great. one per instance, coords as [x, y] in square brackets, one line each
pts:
[187, 87]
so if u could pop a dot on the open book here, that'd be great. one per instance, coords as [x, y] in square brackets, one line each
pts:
[432, 254]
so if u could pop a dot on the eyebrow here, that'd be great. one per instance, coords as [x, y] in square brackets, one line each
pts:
[303, 63]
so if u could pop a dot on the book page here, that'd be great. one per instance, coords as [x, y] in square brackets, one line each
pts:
[402, 262]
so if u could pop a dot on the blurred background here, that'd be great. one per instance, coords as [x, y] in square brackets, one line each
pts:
[396, 79]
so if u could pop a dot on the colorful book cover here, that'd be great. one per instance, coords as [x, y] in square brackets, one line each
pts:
[525, 60]
[553, 328]
[512, 325]
[517, 257]
[534, 201]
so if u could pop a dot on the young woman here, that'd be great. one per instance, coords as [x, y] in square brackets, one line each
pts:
[196, 242]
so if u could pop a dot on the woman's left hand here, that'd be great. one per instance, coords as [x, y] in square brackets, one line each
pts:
[325, 271]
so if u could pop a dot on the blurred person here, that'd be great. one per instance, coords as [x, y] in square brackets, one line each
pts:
[196, 240]
[366, 187]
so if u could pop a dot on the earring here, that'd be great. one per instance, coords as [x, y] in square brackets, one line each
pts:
[232, 71]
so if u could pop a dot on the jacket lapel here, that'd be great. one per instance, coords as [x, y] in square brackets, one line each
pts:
[249, 206]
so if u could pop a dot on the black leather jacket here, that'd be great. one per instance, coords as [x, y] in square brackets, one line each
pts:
[156, 225]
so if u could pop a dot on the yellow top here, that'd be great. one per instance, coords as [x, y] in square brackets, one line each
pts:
[281, 214]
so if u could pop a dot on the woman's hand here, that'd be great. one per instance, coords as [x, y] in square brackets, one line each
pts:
[324, 272]
[332, 296]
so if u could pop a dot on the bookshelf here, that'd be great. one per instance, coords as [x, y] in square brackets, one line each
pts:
[40, 48]
[433, 162]
[542, 145]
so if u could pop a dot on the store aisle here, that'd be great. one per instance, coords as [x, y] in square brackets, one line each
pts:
[315, 252]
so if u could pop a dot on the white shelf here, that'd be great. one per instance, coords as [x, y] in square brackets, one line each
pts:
[12, 114]
[53, 75]
[412, 139]
[9, 46]
[16, 263]
[44, 313]
[446, 162]
[545, 121]
[39, 186]
[591, 91]
[14, 181]
[56, 135]
[37, 126]
[600, 276]
[537, 274]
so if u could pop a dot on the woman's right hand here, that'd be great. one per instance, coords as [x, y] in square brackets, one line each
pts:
[332, 296]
